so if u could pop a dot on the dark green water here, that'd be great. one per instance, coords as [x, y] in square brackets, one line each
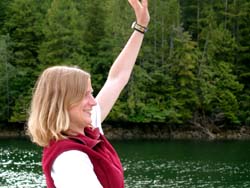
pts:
[147, 164]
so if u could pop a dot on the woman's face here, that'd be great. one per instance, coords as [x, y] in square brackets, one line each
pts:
[80, 114]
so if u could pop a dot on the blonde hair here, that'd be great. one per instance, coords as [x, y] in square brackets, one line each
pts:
[56, 90]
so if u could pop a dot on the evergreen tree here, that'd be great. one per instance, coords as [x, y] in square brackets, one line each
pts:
[219, 86]
[64, 35]
[193, 65]
[98, 43]
[23, 25]
[6, 76]
[3, 7]
[183, 61]
[240, 26]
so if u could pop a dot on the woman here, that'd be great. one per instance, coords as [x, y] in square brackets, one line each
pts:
[66, 119]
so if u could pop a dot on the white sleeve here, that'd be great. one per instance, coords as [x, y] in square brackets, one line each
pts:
[74, 169]
[96, 117]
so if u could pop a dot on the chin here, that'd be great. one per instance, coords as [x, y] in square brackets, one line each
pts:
[87, 123]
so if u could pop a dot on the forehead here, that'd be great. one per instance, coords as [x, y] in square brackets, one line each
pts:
[89, 88]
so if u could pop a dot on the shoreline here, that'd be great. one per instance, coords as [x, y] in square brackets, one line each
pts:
[152, 131]
[175, 133]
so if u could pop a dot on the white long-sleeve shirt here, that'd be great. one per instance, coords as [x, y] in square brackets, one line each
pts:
[80, 164]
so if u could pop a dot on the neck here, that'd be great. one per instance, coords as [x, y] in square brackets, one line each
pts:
[75, 131]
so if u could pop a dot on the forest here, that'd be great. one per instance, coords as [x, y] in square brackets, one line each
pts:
[193, 68]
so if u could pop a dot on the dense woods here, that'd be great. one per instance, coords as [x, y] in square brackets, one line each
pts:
[193, 68]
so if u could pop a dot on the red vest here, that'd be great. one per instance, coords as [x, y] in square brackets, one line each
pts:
[107, 165]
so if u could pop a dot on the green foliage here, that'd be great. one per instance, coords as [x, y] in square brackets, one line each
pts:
[23, 25]
[3, 5]
[218, 89]
[182, 69]
[99, 45]
[219, 86]
[194, 60]
[5, 69]
[64, 35]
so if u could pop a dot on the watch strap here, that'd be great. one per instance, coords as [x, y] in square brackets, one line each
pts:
[139, 27]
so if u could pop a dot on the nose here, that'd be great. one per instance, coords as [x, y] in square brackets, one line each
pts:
[92, 101]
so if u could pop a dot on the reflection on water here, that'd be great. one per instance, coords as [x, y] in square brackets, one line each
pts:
[185, 164]
[179, 174]
[19, 165]
[147, 164]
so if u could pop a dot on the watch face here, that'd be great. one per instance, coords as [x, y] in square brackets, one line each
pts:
[133, 25]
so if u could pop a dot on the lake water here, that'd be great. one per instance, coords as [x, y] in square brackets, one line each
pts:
[147, 164]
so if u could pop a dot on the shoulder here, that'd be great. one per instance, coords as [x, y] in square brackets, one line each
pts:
[56, 148]
[74, 168]
[74, 156]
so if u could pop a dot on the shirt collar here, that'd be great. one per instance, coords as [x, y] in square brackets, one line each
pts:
[91, 137]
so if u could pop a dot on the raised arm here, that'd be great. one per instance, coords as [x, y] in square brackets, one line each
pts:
[121, 69]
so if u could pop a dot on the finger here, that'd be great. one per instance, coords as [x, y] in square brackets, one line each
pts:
[144, 3]
[134, 3]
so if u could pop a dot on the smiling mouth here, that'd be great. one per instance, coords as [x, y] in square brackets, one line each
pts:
[87, 111]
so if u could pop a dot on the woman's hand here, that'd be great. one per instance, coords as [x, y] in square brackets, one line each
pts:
[141, 11]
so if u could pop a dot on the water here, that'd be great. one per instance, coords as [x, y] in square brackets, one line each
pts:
[186, 164]
[147, 164]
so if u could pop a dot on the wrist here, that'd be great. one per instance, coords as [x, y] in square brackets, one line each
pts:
[139, 28]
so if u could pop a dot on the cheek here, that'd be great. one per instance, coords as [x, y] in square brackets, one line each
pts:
[84, 104]
[73, 112]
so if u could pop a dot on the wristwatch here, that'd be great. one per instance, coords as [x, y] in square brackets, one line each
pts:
[139, 27]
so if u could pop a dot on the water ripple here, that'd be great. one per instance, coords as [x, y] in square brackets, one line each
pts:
[21, 168]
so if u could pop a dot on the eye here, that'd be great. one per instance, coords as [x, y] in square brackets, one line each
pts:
[88, 94]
